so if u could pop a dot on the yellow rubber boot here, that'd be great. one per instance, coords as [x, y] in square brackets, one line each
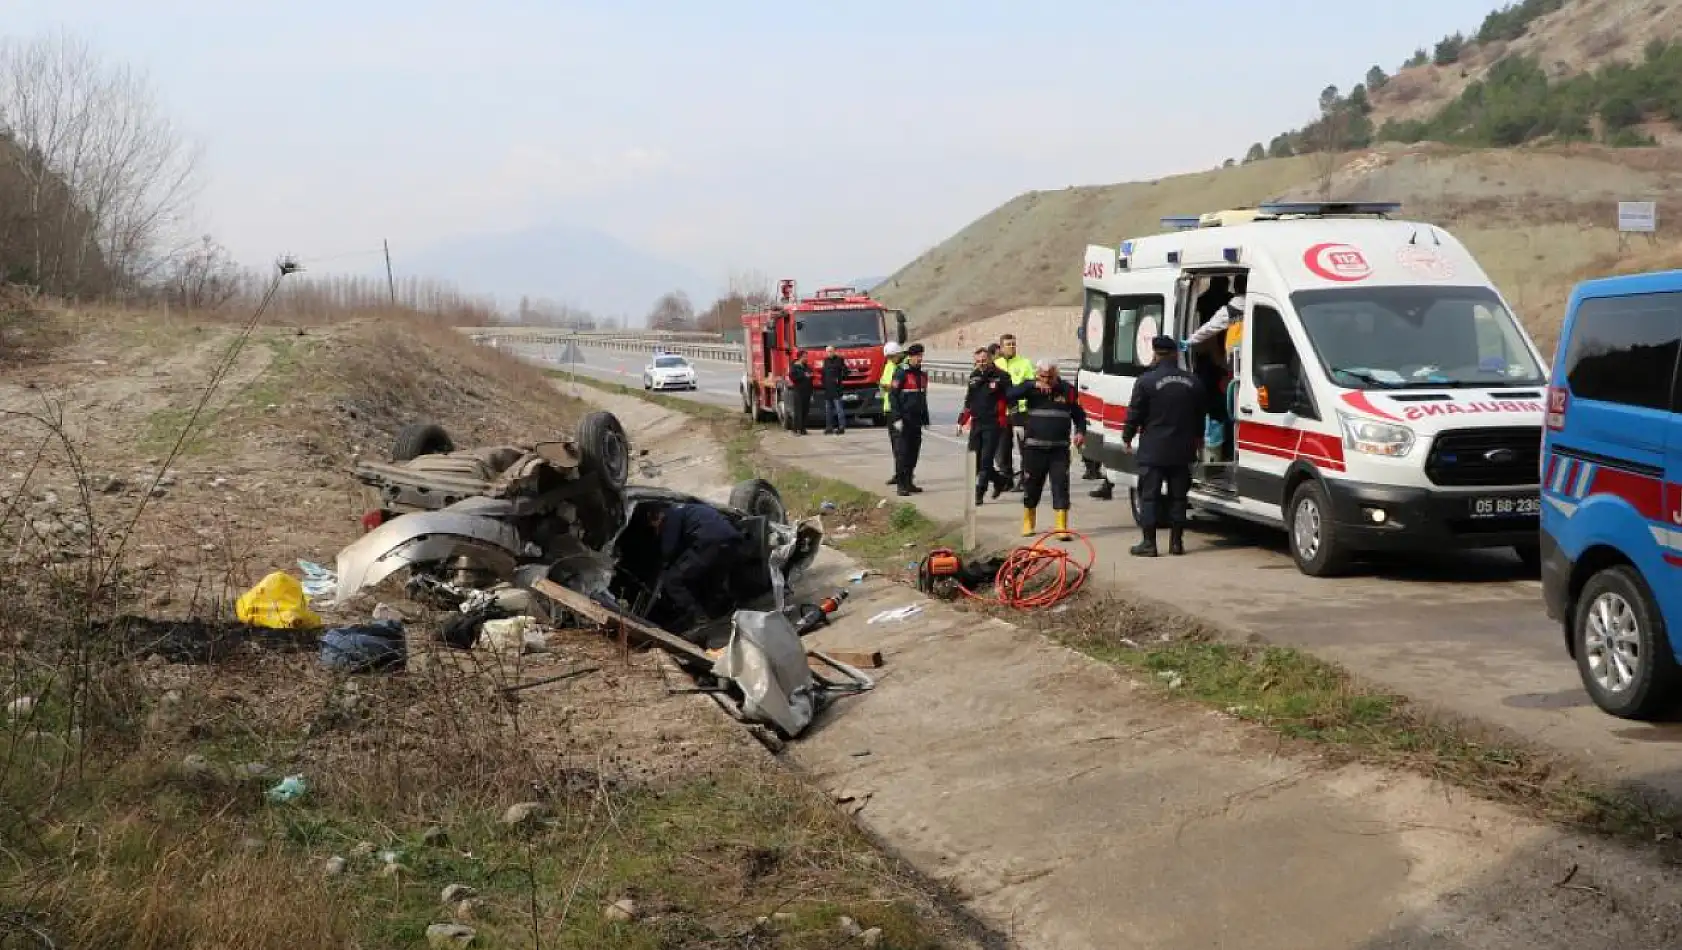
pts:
[1063, 525]
[1028, 522]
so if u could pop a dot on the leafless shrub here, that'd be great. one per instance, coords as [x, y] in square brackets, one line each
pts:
[1408, 87]
[102, 175]
[203, 277]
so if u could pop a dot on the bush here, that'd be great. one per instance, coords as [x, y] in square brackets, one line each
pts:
[1449, 49]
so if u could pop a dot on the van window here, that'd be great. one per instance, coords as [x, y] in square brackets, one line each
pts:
[1270, 342]
[1133, 322]
[1092, 344]
[1624, 349]
[1416, 336]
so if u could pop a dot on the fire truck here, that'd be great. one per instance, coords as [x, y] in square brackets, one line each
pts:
[842, 317]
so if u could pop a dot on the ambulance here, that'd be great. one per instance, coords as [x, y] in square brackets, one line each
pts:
[1379, 394]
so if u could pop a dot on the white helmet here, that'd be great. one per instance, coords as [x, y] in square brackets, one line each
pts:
[892, 349]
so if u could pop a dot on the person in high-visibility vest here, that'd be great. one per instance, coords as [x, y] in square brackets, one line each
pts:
[1021, 369]
[894, 355]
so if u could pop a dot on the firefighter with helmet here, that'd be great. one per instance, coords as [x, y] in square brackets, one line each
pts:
[1052, 421]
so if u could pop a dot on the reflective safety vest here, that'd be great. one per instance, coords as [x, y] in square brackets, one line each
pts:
[886, 383]
[1021, 369]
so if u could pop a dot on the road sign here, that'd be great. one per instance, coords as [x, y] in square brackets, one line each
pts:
[571, 354]
[1638, 217]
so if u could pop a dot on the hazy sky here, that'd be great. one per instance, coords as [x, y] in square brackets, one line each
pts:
[818, 140]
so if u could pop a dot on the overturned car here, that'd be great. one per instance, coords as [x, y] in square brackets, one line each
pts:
[560, 511]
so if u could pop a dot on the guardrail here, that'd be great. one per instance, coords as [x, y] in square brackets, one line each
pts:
[940, 371]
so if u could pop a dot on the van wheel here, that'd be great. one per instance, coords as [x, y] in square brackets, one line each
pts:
[1623, 651]
[1315, 546]
[420, 438]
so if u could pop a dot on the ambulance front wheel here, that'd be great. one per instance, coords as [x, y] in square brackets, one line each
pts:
[1315, 542]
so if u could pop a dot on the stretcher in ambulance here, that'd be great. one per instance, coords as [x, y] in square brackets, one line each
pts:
[1377, 393]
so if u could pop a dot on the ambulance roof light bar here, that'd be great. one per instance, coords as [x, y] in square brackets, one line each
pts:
[1181, 222]
[1328, 209]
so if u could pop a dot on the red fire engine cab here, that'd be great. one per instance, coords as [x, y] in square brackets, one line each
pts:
[842, 317]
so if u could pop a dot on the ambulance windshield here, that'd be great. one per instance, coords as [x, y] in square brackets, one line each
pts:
[843, 328]
[1416, 337]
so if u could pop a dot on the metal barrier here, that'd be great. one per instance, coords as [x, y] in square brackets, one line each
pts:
[940, 371]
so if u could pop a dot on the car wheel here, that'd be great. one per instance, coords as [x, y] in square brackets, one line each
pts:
[1315, 544]
[1530, 556]
[758, 497]
[604, 447]
[420, 438]
[1623, 650]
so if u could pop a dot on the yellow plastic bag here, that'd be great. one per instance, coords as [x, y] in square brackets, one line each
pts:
[278, 602]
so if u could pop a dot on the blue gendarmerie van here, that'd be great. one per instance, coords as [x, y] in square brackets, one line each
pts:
[1612, 491]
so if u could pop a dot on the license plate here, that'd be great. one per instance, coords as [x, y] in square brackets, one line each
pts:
[1505, 507]
[851, 400]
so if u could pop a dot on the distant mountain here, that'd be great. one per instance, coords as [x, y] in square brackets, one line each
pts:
[565, 263]
[866, 283]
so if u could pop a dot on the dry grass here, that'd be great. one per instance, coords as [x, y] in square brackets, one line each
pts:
[132, 805]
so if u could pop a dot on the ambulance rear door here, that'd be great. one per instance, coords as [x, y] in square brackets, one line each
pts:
[1120, 320]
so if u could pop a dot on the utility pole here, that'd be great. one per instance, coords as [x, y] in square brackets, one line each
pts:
[390, 279]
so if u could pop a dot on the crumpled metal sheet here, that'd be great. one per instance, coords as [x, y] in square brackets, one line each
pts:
[767, 662]
[422, 537]
[793, 549]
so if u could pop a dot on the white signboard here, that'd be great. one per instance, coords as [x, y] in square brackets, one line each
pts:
[1639, 217]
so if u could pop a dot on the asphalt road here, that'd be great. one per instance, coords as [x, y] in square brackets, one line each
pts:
[1463, 632]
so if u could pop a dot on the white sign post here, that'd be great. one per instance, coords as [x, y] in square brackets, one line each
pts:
[1637, 217]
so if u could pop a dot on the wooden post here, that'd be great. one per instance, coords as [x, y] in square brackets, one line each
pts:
[969, 500]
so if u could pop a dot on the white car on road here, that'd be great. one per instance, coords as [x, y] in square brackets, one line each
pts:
[668, 371]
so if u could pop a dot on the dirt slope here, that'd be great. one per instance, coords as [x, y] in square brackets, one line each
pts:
[1536, 218]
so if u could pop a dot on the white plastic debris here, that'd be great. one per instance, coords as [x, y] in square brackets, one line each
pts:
[897, 614]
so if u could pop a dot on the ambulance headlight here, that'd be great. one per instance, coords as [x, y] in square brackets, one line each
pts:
[1370, 437]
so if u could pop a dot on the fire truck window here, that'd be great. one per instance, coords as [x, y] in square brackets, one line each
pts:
[1092, 333]
[1133, 322]
[856, 326]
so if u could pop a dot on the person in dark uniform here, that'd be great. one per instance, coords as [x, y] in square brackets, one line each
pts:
[834, 373]
[1053, 420]
[984, 416]
[908, 405]
[1167, 407]
[800, 388]
[698, 545]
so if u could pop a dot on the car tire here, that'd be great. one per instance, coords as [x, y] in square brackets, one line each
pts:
[420, 438]
[1617, 602]
[756, 496]
[604, 448]
[1530, 557]
[1315, 545]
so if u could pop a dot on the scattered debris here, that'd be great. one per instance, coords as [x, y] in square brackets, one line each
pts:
[524, 814]
[319, 583]
[333, 866]
[897, 614]
[1173, 678]
[513, 635]
[365, 648]
[449, 935]
[290, 789]
[520, 687]
[435, 837]
[278, 602]
[623, 910]
[849, 928]
[196, 641]
[871, 937]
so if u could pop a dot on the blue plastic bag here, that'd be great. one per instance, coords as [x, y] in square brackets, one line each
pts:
[365, 648]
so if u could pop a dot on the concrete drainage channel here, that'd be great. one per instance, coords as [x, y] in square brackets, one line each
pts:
[1067, 802]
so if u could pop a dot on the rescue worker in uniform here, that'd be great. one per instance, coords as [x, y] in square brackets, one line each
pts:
[1208, 342]
[908, 414]
[697, 546]
[1054, 420]
[1021, 370]
[892, 356]
[800, 388]
[1166, 414]
[984, 415]
[834, 374]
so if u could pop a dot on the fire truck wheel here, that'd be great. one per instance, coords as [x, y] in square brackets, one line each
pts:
[785, 409]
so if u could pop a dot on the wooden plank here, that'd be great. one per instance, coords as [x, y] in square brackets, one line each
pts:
[856, 660]
[606, 616]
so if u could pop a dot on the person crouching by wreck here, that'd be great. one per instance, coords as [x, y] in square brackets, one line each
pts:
[698, 547]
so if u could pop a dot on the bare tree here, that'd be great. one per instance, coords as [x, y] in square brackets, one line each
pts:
[104, 174]
[672, 311]
[1327, 138]
[752, 288]
[202, 278]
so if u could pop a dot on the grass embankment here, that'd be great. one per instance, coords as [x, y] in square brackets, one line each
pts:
[133, 778]
[1299, 697]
